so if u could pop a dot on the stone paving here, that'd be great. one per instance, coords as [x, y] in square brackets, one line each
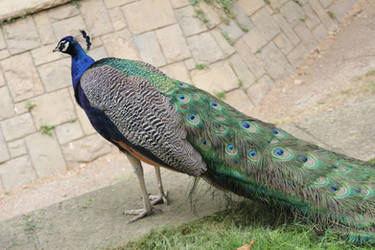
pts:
[244, 59]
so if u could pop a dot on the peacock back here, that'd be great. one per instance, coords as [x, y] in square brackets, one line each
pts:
[257, 160]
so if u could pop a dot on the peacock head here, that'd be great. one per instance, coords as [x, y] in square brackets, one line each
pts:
[69, 45]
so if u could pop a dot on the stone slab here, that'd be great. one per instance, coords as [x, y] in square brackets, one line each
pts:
[117, 18]
[275, 62]
[86, 149]
[44, 54]
[17, 148]
[173, 43]
[17, 126]
[96, 17]
[23, 84]
[241, 69]
[254, 64]
[121, 44]
[204, 48]
[62, 12]
[188, 23]
[68, 132]
[17, 172]
[177, 71]
[45, 154]
[259, 90]
[48, 105]
[69, 27]
[15, 35]
[6, 104]
[250, 7]
[222, 42]
[147, 15]
[116, 3]
[149, 48]
[56, 75]
[239, 100]
[11, 9]
[4, 153]
[265, 24]
[215, 78]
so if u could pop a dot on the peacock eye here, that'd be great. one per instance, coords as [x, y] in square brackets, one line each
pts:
[282, 154]
[193, 119]
[205, 144]
[181, 84]
[253, 155]
[215, 105]
[230, 150]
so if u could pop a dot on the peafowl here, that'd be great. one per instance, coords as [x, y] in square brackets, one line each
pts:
[168, 123]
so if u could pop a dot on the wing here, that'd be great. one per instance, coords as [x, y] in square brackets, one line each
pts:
[139, 119]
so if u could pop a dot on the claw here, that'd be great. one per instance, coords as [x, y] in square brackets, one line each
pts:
[158, 199]
[140, 213]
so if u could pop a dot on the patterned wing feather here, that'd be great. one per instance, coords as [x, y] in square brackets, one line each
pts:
[257, 160]
[143, 117]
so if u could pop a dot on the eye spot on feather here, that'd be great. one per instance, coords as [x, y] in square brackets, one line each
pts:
[230, 150]
[193, 118]
[278, 133]
[341, 168]
[181, 84]
[220, 129]
[321, 181]
[302, 158]
[310, 162]
[184, 98]
[215, 105]
[205, 144]
[340, 191]
[253, 155]
[282, 154]
[249, 126]
[364, 192]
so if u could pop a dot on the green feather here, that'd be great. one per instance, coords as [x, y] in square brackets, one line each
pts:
[257, 160]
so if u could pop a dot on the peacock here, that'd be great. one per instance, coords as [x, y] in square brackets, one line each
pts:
[169, 123]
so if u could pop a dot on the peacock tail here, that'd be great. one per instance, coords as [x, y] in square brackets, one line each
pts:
[257, 160]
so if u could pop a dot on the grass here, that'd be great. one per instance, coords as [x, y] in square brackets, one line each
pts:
[201, 16]
[233, 228]
[226, 36]
[372, 161]
[220, 95]
[29, 105]
[46, 129]
[201, 66]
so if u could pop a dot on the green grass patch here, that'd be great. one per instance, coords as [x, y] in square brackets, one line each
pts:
[220, 94]
[46, 129]
[372, 161]
[233, 228]
[201, 66]
[226, 36]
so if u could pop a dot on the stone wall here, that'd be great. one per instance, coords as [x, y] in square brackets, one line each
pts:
[241, 61]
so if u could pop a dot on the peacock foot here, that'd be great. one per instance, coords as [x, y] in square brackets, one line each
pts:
[162, 198]
[139, 213]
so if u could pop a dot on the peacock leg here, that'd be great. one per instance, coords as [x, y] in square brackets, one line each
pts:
[163, 196]
[147, 210]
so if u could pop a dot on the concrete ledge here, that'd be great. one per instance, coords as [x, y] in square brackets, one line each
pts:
[12, 9]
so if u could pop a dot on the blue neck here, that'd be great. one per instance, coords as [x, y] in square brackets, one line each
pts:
[80, 62]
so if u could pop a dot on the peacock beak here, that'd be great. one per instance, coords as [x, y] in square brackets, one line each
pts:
[55, 49]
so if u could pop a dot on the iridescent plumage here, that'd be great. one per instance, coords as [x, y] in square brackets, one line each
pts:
[227, 148]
